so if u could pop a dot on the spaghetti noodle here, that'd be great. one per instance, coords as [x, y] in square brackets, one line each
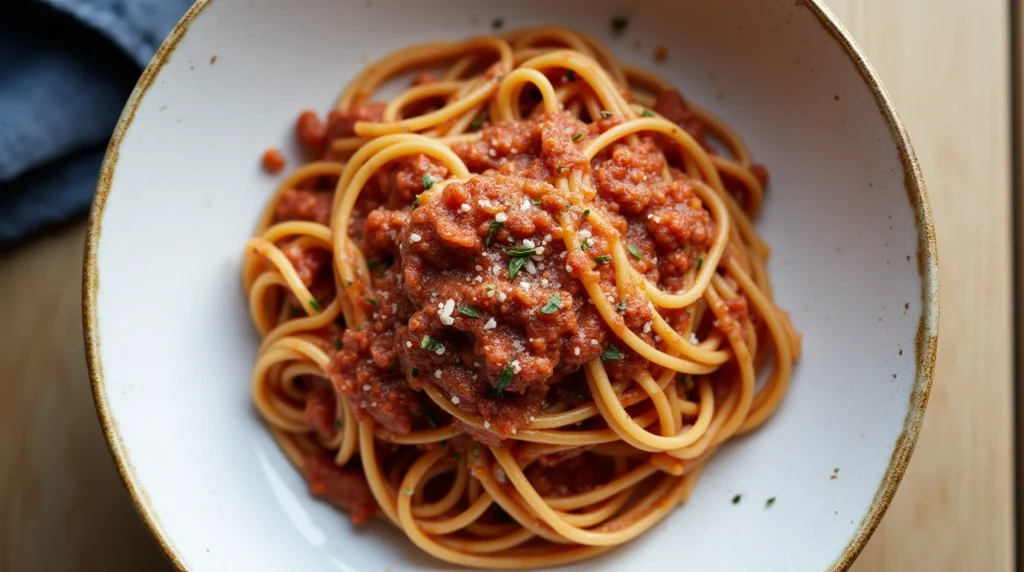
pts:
[515, 309]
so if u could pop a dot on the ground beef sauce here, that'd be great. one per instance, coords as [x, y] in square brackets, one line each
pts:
[445, 310]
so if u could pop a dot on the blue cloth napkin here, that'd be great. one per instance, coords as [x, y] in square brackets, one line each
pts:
[66, 70]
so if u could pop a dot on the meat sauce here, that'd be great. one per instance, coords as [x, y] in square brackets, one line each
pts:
[444, 306]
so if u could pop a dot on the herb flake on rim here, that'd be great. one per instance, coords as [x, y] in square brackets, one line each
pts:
[619, 23]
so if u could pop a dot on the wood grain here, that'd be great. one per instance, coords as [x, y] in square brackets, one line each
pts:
[946, 65]
[945, 62]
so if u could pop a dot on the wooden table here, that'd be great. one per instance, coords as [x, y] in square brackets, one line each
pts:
[945, 63]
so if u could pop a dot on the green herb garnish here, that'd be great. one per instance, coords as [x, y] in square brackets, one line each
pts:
[477, 123]
[338, 344]
[584, 245]
[469, 311]
[515, 265]
[586, 212]
[535, 202]
[430, 344]
[686, 380]
[497, 24]
[768, 503]
[621, 306]
[495, 226]
[635, 252]
[522, 251]
[647, 113]
[489, 288]
[428, 182]
[700, 262]
[560, 169]
[504, 379]
[736, 499]
[371, 300]
[582, 394]
[554, 304]
[338, 424]
[602, 259]
[612, 354]
[315, 305]
[415, 372]
[606, 114]
[570, 75]
[577, 136]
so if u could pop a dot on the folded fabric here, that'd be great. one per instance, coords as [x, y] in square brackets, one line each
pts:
[66, 69]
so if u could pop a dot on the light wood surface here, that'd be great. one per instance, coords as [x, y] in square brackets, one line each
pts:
[945, 62]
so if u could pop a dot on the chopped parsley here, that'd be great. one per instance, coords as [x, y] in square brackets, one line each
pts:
[535, 202]
[554, 304]
[606, 114]
[407, 492]
[635, 252]
[560, 169]
[768, 503]
[522, 251]
[612, 353]
[586, 212]
[700, 262]
[430, 418]
[497, 24]
[504, 379]
[337, 423]
[619, 24]
[686, 380]
[647, 113]
[603, 259]
[570, 75]
[584, 245]
[517, 259]
[736, 499]
[479, 122]
[371, 300]
[621, 306]
[577, 136]
[495, 226]
[469, 311]
[430, 344]
[428, 182]
[315, 305]
[489, 288]
[338, 344]
[689, 312]
[515, 265]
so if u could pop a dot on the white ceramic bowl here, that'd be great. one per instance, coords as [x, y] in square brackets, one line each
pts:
[171, 346]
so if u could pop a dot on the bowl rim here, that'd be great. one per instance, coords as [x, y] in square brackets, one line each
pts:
[926, 340]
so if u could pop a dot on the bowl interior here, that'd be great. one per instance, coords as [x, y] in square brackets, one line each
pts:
[175, 346]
